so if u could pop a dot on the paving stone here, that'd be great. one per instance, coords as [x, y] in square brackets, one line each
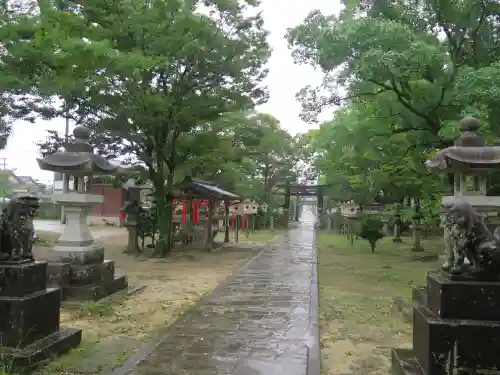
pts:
[257, 324]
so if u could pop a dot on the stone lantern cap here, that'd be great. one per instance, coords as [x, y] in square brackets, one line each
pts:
[79, 159]
[469, 154]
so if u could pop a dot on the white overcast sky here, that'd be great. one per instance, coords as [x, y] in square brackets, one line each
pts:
[284, 80]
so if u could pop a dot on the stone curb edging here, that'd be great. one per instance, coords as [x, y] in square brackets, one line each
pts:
[314, 351]
[149, 347]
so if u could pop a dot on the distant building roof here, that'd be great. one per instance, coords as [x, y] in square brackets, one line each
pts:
[200, 189]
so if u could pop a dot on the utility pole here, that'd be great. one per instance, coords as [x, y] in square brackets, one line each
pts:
[66, 136]
[4, 163]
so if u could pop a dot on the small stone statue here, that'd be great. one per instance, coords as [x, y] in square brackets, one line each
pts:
[16, 229]
[466, 236]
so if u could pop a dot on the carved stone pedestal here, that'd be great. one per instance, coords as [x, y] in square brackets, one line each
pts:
[77, 264]
[86, 282]
[456, 328]
[29, 315]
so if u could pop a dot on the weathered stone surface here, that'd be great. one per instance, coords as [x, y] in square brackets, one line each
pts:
[456, 326]
[92, 273]
[59, 274]
[17, 280]
[24, 320]
[96, 291]
[89, 282]
[29, 316]
[452, 299]
[261, 321]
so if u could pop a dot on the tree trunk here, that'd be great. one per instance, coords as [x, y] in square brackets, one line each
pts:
[166, 247]
[164, 209]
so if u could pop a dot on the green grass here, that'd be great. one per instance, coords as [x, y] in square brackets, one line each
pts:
[392, 270]
[358, 322]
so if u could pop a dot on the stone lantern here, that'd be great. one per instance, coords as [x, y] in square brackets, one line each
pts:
[469, 160]
[77, 262]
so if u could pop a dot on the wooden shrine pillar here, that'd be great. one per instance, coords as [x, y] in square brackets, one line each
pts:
[226, 221]
[209, 238]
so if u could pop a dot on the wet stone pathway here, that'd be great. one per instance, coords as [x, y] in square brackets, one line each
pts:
[261, 322]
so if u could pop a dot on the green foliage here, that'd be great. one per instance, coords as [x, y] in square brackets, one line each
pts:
[152, 79]
[404, 72]
[370, 229]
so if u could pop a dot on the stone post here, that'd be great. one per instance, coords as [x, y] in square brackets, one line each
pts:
[385, 228]
[132, 222]
[417, 232]
[417, 229]
[397, 225]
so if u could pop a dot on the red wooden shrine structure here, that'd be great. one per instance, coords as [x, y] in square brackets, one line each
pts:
[197, 204]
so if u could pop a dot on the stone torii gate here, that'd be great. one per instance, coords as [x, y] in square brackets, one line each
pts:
[298, 191]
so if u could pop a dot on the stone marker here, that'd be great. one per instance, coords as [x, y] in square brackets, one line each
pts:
[29, 318]
[77, 263]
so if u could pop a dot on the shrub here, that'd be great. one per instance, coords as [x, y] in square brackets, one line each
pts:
[370, 229]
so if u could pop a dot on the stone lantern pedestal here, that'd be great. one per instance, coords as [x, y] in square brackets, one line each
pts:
[77, 263]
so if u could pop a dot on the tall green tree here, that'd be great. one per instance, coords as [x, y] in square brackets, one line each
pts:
[404, 73]
[422, 57]
[147, 75]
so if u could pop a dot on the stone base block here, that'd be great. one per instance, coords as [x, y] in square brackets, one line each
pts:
[48, 347]
[24, 320]
[456, 328]
[66, 274]
[58, 274]
[92, 273]
[452, 299]
[404, 363]
[17, 280]
[95, 292]
[93, 253]
[434, 341]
